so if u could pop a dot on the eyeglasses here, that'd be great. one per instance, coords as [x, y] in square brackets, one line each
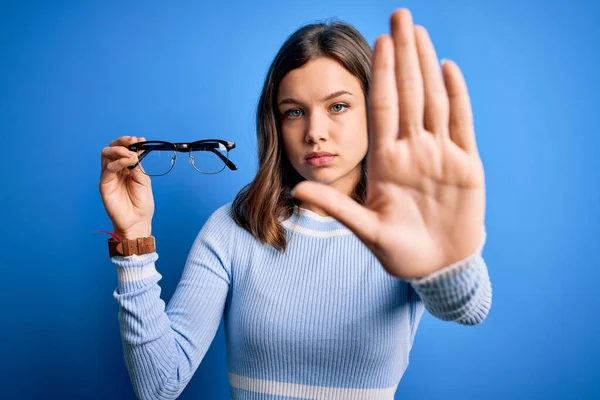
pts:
[157, 158]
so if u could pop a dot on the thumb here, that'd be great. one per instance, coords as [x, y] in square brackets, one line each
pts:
[359, 219]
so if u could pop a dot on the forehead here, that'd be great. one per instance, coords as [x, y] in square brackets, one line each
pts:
[316, 79]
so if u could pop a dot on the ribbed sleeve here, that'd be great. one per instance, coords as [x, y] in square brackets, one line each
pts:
[461, 292]
[164, 345]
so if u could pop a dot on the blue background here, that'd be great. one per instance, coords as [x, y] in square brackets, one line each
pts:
[75, 75]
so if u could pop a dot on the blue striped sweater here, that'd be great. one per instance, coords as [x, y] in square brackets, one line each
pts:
[322, 320]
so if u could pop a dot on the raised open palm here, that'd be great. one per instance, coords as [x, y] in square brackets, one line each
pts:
[425, 203]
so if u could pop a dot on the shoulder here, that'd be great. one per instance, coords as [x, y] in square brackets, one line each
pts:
[218, 230]
[222, 216]
[226, 210]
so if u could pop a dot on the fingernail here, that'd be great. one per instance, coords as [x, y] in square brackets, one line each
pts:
[293, 191]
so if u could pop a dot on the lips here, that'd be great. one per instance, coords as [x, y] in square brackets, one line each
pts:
[316, 154]
[319, 158]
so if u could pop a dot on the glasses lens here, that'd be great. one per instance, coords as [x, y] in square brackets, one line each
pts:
[209, 157]
[158, 158]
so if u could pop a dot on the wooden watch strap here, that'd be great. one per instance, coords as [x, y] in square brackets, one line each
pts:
[128, 247]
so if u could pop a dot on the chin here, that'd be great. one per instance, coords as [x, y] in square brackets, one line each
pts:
[325, 177]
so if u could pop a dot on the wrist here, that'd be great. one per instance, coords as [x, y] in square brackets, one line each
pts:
[135, 233]
[129, 247]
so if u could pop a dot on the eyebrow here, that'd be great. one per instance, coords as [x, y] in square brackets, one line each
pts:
[290, 100]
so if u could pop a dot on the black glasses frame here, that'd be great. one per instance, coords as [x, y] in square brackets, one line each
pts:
[200, 145]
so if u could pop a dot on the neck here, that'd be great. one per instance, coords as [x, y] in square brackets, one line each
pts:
[346, 184]
[314, 209]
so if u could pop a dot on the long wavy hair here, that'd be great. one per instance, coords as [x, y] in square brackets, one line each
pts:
[259, 205]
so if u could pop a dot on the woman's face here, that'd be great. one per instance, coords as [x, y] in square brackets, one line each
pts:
[322, 109]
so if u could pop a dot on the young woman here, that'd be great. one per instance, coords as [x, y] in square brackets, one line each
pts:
[367, 208]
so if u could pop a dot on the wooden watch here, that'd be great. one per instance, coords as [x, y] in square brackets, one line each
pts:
[128, 247]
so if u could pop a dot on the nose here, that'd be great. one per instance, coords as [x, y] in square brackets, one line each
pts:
[316, 128]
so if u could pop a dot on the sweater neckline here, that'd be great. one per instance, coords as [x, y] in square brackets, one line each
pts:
[313, 215]
[310, 223]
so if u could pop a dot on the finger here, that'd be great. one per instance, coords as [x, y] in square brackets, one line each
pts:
[383, 98]
[461, 127]
[114, 167]
[116, 152]
[137, 140]
[123, 141]
[119, 164]
[360, 220]
[137, 174]
[408, 74]
[436, 99]
[112, 153]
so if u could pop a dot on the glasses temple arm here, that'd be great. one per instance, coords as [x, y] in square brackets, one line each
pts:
[226, 160]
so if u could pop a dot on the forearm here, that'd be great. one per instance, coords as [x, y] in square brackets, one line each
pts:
[163, 348]
[461, 292]
[145, 328]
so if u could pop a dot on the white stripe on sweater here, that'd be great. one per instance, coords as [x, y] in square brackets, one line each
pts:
[311, 232]
[308, 392]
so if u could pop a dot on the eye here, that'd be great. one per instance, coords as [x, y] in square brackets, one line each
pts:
[293, 113]
[339, 107]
